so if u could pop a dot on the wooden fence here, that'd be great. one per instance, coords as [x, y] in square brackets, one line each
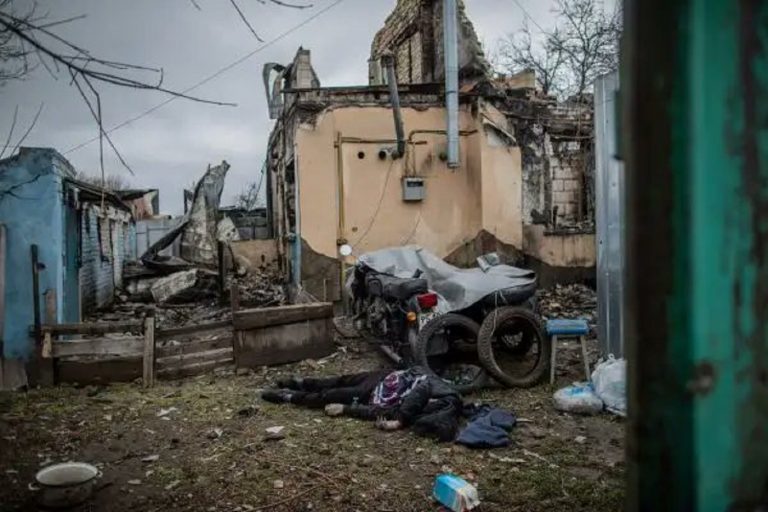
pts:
[125, 351]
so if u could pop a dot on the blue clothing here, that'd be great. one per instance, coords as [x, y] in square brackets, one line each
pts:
[488, 427]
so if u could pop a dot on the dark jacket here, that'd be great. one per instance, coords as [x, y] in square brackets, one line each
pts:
[431, 408]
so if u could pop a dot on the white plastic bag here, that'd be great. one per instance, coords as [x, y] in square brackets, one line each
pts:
[579, 398]
[610, 383]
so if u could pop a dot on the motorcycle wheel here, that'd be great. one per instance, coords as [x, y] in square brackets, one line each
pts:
[462, 333]
[509, 364]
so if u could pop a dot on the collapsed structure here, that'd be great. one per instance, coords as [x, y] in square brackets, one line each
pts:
[339, 173]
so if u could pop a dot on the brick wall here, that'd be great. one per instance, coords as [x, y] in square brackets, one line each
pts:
[413, 32]
[566, 165]
[104, 245]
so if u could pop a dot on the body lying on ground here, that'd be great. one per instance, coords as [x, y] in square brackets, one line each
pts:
[394, 399]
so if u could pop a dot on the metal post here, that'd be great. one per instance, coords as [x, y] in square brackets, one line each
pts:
[451, 50]
[36, 293]
[696, 111]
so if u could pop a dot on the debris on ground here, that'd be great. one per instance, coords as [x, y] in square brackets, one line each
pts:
[274, 433]
[455, 493]
[259, 289]
[185, 286]
[162, 413]
[338, 466]
[579, 398]
[568, 301]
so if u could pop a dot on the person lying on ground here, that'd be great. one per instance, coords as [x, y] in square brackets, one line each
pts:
[394, 399]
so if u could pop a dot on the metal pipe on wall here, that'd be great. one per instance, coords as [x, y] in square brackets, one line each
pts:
[394, 96]
[451, 50]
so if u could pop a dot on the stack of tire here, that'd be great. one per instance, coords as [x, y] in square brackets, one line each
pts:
[487, 338]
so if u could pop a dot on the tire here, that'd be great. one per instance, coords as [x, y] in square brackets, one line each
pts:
[430, 329]
[533, 330]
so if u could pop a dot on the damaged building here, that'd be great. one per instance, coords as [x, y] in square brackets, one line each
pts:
[380, 165]
[79, 235]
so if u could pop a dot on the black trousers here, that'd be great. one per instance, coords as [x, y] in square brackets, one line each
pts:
[316, 393]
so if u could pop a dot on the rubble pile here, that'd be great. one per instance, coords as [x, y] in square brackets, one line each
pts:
[256, 289]
[259, 289]
[569, 301]
[166, 315]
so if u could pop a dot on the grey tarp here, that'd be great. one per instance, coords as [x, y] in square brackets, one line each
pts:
[458, 288]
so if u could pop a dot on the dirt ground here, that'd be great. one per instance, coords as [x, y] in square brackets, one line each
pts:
[200, 445]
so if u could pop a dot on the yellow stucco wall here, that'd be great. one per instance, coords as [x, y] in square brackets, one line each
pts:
[483, 193]
[564, 250]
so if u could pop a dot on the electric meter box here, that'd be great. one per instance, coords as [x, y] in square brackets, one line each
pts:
[413, 189]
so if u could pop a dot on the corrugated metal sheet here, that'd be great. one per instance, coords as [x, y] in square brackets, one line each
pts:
[609, 217]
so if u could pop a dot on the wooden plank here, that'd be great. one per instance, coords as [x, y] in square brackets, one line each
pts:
[188, 330]
[49, 297]
[234, 297]
[148, 375]
[264, 317]
[93, 329]
[128, 346]
[196, 357]
[283, 343]
[224, 340]
[98, 372]
[51, 318]
[47, 351]
[194, 369]
[40, 371]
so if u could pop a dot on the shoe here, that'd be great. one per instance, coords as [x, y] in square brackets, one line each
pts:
[277, 396]
[290, 383]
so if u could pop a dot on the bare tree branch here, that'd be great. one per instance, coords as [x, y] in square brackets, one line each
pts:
[245, 20]
[96, 114]
[112, 182]
[287, 4]
[582, 46]
[10, 132]
[29, 129]
[14, 25]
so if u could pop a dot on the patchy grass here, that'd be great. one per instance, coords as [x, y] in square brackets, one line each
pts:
[323, 464]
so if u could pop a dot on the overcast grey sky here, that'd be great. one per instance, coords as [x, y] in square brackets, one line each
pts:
[171, 147]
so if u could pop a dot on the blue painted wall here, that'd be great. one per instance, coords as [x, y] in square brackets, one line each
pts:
[96, 274]
[32, 210]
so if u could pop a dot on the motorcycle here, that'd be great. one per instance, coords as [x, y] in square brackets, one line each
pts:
[460, 324]
[393, 309]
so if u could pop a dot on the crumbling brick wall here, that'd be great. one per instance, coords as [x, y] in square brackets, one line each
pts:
[567, 166]
[558, 162]
[104, 247]
[413, 32]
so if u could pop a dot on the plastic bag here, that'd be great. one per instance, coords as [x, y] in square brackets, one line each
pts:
[580, 398]
[610, 383]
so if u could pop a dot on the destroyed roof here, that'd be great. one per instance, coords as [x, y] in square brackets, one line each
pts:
[134, 193]
[92, 193]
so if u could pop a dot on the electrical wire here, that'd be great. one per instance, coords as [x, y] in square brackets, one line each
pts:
[210, 77]
[378, 206]
[527, 15]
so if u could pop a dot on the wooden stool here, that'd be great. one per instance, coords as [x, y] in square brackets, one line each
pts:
[568, 328]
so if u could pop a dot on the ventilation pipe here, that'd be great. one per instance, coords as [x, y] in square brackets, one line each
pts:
[451, 50]
[389, 62]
